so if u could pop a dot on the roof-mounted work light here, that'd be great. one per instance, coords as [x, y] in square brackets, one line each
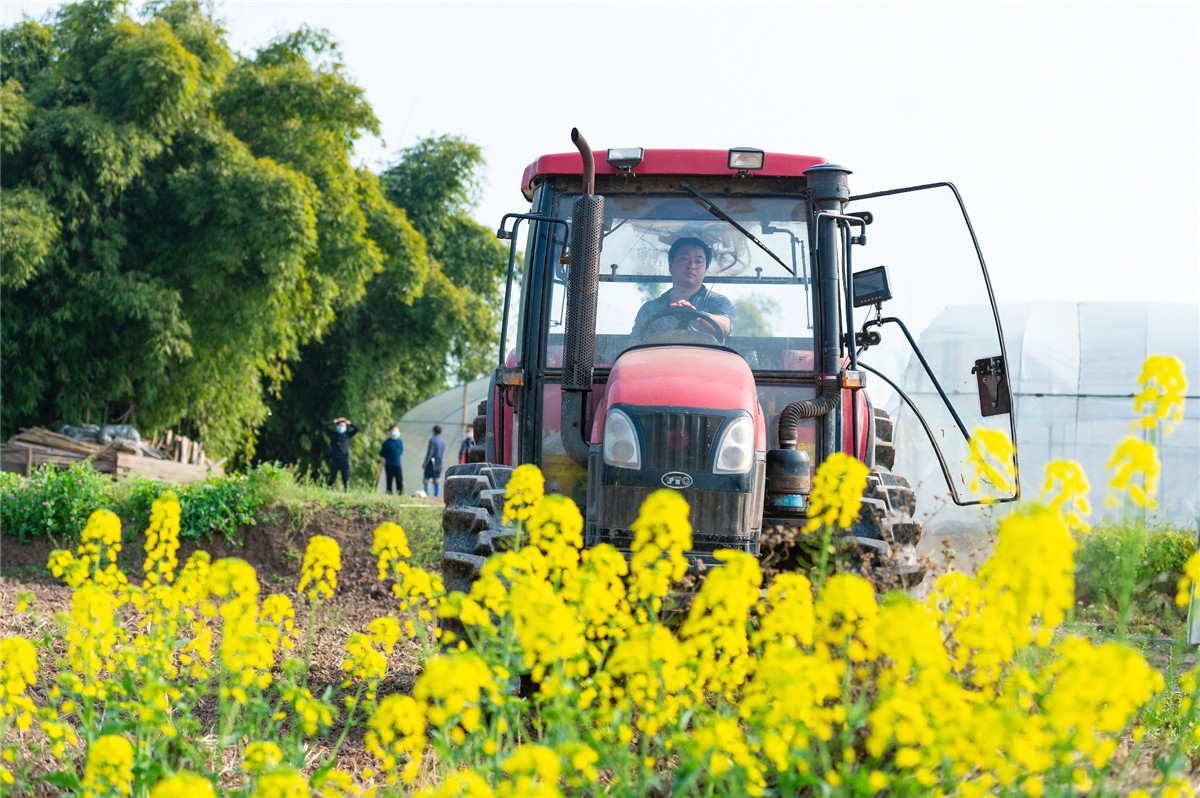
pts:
[625, 158]
[745, 159]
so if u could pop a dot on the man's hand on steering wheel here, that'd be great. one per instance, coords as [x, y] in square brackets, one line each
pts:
[688, 316]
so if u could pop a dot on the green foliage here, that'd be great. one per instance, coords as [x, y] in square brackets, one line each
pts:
[177, 222]
[431, 314]
[52, 503]
[1133, 568]
[218, 505]
[28, 231]
[752, 317]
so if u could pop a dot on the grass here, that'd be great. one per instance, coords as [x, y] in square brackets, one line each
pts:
[421, 518]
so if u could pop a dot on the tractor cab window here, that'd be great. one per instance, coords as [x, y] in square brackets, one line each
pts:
[767, 284]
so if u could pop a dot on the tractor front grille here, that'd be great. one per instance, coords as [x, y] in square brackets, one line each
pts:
[720, 519]
[678, 441]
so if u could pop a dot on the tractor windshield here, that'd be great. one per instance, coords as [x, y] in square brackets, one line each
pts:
[764, 276]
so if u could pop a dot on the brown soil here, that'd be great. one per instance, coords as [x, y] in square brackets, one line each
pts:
[275, 548]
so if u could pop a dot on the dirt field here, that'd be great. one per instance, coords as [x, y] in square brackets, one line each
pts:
[275, 549]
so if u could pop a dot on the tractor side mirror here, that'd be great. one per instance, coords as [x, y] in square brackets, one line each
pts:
[871, 287]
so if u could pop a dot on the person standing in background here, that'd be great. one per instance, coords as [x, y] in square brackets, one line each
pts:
[390, 451]
[340, 432]
[433, 463]
[468, 442]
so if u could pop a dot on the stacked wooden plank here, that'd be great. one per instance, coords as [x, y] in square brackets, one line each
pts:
[181, 449]
[31, 448]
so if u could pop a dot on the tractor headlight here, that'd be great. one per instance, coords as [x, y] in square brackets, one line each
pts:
[735, 450]
[621, 446]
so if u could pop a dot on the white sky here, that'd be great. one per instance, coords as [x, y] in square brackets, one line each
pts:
[1072, 130]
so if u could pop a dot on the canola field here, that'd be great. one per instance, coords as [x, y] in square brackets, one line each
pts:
[580, 673]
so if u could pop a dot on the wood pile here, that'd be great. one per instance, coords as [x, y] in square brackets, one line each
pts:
[28, 450]
[180, 449]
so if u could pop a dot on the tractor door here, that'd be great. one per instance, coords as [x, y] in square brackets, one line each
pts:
[936, 345]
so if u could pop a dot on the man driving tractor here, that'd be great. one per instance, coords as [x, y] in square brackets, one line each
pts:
[687, 260]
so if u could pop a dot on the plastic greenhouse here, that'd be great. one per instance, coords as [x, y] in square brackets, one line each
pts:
[1073, 369]
[445, 410]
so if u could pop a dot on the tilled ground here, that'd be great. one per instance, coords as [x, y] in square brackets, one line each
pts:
[275, 549]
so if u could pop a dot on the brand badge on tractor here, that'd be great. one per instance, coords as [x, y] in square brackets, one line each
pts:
[677, 480]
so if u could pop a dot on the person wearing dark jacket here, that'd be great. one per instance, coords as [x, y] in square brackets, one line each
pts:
[390, 451]
[340, 432]
[433, 463]
[465, 449]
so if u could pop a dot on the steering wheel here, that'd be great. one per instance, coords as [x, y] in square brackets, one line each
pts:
[688, 318]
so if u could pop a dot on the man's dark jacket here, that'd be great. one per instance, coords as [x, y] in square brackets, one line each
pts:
[339, 442]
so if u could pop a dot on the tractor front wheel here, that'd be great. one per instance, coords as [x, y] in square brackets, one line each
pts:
[471, 527]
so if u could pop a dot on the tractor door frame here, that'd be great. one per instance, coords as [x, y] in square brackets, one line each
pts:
[952, 425]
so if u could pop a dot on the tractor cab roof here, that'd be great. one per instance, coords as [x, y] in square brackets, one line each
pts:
[668, 162]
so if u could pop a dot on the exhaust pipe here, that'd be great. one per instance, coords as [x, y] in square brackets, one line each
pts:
[583, 278]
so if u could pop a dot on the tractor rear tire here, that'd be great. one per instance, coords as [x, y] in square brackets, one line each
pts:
[887, 527]
[478, 453]
[471, 523]
[885, 448]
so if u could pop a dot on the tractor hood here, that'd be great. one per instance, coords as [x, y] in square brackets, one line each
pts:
[682, 376]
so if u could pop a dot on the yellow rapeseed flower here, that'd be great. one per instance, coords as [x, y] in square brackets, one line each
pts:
[261, 756]
[1066, 492]
[1134, 459]
[910, 639]
[1034, 562]
[278, 623]
[390, 546]
[183, 785]
[1161, 397]
[525, 490]
[95, 558]
[1191, 576]
[397, 731]
[162, 539]
[662, 533]
[531, 769]
[556, 528]
[452, 689]
[459, 784]
[549, 630]
[716, 634]
[722, 746]
[836, 497]
[648, 677]
[311, 713]
[18, 671]
[994, 458]
[1095, 692]
[787, 619]
[322, 562]
[847, 617]
[282, 782]
[109, 768]
[584, 764]
[598, 592]
[92, 637]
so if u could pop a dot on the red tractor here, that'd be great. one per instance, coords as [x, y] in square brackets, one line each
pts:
[749, 370]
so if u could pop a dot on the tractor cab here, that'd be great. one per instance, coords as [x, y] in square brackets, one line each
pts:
[732, 397]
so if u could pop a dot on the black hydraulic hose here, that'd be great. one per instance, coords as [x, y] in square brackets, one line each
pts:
[789, 419]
